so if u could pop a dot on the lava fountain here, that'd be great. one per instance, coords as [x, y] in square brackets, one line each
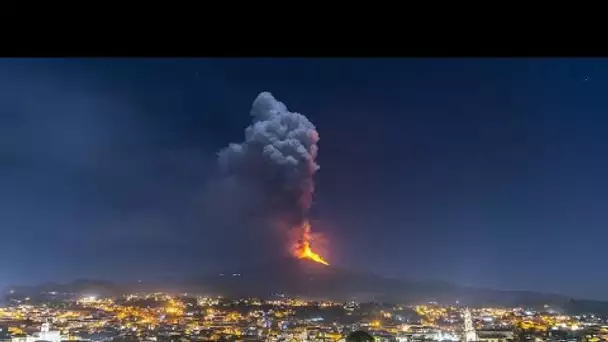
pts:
[302, 249]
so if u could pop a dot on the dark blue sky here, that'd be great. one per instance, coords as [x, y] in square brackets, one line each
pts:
[481, 172]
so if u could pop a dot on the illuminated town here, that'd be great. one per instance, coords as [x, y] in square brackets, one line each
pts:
[185, 317]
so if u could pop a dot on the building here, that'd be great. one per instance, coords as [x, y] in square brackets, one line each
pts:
[45, 334]
[494, 335]
[470, 335]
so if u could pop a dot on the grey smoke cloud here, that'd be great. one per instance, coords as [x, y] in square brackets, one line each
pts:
[276, 162]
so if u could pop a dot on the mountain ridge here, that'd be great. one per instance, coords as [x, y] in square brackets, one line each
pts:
[315, 281]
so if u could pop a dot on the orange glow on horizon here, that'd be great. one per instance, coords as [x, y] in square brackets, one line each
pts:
[302, 248]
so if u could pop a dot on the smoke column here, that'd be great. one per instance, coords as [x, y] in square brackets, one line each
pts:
[276, 162]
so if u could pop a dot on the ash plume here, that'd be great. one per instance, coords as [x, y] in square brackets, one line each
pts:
[276, 162]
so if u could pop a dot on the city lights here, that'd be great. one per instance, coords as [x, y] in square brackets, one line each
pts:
[160, 316]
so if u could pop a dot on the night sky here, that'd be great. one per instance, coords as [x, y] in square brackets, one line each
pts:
[484, 172]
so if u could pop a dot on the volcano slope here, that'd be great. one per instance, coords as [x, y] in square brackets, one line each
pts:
[307, 279]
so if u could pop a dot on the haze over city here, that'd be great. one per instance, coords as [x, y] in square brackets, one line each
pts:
[481, 172]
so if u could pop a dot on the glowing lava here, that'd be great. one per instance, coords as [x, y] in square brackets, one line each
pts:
[302, 248]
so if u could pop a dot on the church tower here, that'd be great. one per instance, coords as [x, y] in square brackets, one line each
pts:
[470, 335]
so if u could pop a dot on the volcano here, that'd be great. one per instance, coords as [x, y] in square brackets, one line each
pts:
[311, 280]
[288, 275]
[306, 278]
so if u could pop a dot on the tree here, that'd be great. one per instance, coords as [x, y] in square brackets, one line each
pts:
[359, 336]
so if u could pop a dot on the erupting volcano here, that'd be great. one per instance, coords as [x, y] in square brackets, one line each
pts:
[276, 164]
[302, 248]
